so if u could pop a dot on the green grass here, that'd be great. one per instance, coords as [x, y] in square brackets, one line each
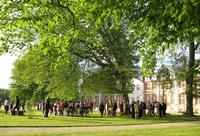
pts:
[95, 120]
[92, 120]
[193, 130]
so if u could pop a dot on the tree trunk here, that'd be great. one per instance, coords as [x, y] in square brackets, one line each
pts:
[126, 99]
[124, 89]
[190, 80]
[163, 99]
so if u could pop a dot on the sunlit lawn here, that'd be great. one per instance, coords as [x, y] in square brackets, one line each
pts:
[91, 120]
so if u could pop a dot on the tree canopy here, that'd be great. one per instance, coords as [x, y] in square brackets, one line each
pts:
[35, 75]
[112, 34]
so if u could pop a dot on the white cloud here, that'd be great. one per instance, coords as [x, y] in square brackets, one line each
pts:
[6, 64]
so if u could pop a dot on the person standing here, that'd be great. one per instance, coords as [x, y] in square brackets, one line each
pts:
[101, 108]
[143, 108]
[132, 109]
[127, 109]
[164, 109]
[114, 108]
[136, 106]
[46, 106]
[6, 105]
[156, 109]
[121, 108]
[17, 105]
[148, 109]
[91, 106]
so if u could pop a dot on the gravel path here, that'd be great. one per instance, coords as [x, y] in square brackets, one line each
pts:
[96, 128]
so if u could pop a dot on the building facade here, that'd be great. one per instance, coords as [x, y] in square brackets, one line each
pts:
[138, 92]
[150, 90]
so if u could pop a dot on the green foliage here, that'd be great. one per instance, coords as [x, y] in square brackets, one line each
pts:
[64, 82]
[29, 105]
[92, 30]
[35, 76]
[110, 50]
[164, 76]
[99, 81]
[3, 94]
[112, 34]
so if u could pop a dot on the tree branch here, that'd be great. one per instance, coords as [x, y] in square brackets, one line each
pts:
[69, 10]
[196, 46]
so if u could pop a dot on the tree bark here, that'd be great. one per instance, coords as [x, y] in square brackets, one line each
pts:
[124, 89]
[126, 99]
[190, 81]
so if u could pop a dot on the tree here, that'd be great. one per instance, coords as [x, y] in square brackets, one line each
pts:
[180, 68]
[25, 23]
[35, 76]
[163, 25]
[99, 81]
[29, 74]
[164, 77]
[64, 82]
[116, 54]
[3, 94]
[62, 25]
[168, 23]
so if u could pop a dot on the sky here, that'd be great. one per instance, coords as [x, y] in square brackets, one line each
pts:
[6, 64]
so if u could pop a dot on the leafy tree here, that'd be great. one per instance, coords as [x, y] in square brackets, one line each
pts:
[61, 25]
[25, 23]
[180, 67]
[64, 82]
[163, 25]
[164, 78]
[3, 94]
[116, 55]
[168, 23]
[99, 81]
[28, 74]
[156, 25]
[35, 75]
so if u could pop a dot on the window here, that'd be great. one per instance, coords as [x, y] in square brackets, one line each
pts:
[147, 85]
[138, 87]
[181, 99]
[154, 96]
[147, 97]
[154, 84]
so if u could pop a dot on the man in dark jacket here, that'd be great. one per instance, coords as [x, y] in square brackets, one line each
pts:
[46, 106]
[102, 108]
[114, 109]
[164, 109]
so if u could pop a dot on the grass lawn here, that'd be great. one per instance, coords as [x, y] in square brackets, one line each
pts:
[193, 130]
[92, 120]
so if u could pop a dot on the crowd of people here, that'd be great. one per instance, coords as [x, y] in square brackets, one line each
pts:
[67, 108]
[13, 107]
[135, 109]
